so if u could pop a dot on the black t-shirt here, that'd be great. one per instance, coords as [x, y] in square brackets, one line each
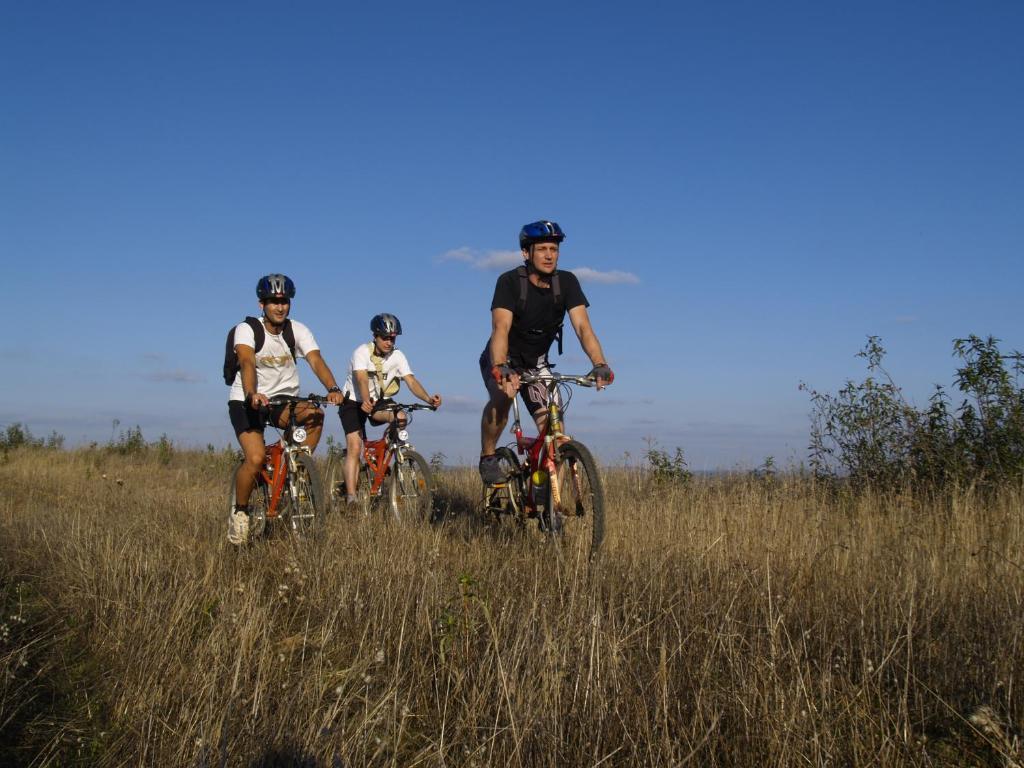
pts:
[534, 328]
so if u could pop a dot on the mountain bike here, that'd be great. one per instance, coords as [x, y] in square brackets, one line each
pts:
[557, 481]
[287, 488]
[390, 468]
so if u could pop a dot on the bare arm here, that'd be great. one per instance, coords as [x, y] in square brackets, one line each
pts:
[585, 333]
[362, 382]
[247, 364]
[323, 372]
[501, 324]
[417, 389]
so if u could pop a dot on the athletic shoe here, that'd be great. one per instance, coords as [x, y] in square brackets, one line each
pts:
[238, 528]
[490, 470]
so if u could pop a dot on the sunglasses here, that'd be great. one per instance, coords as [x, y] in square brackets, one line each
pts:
[277, 300]
[392, 337]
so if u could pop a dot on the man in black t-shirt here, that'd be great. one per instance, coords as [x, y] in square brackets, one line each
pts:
[522, 329]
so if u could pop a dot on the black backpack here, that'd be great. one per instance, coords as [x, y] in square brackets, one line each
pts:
[231, 358]
[556, 292]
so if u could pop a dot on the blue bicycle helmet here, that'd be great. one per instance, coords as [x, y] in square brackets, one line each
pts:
[385, 324]
[540, 232]
[277, 285]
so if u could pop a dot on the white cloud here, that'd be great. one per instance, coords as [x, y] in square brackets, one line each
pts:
[500, 260]
[615, 277]
[484, 260]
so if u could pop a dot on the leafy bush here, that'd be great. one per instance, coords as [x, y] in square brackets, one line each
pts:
[130, 442]
[665, 468]
[868, 432]
[18, 435]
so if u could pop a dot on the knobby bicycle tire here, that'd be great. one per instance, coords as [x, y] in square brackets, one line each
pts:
[579, 517]
[259, 503]
[305, 512]
[411, 488]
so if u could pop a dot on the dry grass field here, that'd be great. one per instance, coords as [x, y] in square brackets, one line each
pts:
[732, 621]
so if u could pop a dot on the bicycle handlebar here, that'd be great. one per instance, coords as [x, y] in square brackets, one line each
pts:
[557, 378]
[396, 407]
[317, 400]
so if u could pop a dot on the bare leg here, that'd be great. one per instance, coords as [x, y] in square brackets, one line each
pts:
[354, 448]
[493, 421]
[254, 450]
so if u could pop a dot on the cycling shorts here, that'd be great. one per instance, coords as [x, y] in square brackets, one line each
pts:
[535, 396]
[353, 417]
[245, 418]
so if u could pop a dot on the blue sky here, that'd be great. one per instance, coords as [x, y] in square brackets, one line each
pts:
[753, 188]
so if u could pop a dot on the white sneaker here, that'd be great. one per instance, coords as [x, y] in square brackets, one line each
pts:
[238, 528]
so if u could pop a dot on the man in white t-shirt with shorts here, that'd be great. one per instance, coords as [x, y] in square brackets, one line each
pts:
[374, 373]
[266, 369]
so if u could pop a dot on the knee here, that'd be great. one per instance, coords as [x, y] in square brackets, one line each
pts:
[254, 460]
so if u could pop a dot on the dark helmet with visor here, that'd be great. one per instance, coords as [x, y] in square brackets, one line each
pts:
[275, 285]
[540, 232]
[385, 324]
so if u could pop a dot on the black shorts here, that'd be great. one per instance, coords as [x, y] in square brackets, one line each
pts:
[245, 418]
[534, 395]
[353, 417]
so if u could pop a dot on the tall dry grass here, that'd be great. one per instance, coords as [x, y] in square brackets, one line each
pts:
[737, 621]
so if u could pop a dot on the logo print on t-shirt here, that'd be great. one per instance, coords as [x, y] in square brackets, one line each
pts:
[273, 361]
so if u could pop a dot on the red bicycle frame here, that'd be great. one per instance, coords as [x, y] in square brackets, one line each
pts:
[377, 455]
[273, 476]
[540, 450]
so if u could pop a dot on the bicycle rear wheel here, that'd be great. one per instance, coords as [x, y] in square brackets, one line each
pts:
[411, 488]
[259, 502]
[305, 510]
[579, 515]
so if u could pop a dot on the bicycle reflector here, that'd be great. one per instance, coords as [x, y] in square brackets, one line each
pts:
[403, 435]
[299, 435]
[540, 477]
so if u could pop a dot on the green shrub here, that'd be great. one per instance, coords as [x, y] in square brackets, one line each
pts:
[868, 433]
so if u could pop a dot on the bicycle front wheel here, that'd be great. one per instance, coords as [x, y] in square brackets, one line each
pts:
[305, 509]
[579, 514]
[337, 491]
[411, 488]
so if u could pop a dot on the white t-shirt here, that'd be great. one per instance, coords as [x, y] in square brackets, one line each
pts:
[276, 373]
[395, 366]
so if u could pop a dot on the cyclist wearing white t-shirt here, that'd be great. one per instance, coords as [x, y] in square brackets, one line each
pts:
[267, 373]
[374, 373]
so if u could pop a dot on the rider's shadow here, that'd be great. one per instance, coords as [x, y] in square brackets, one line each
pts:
[461, 515]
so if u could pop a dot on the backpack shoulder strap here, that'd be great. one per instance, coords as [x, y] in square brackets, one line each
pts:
[258, 331]
[524, 279]
[556, 291]
[378, 365]
[289, 337]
